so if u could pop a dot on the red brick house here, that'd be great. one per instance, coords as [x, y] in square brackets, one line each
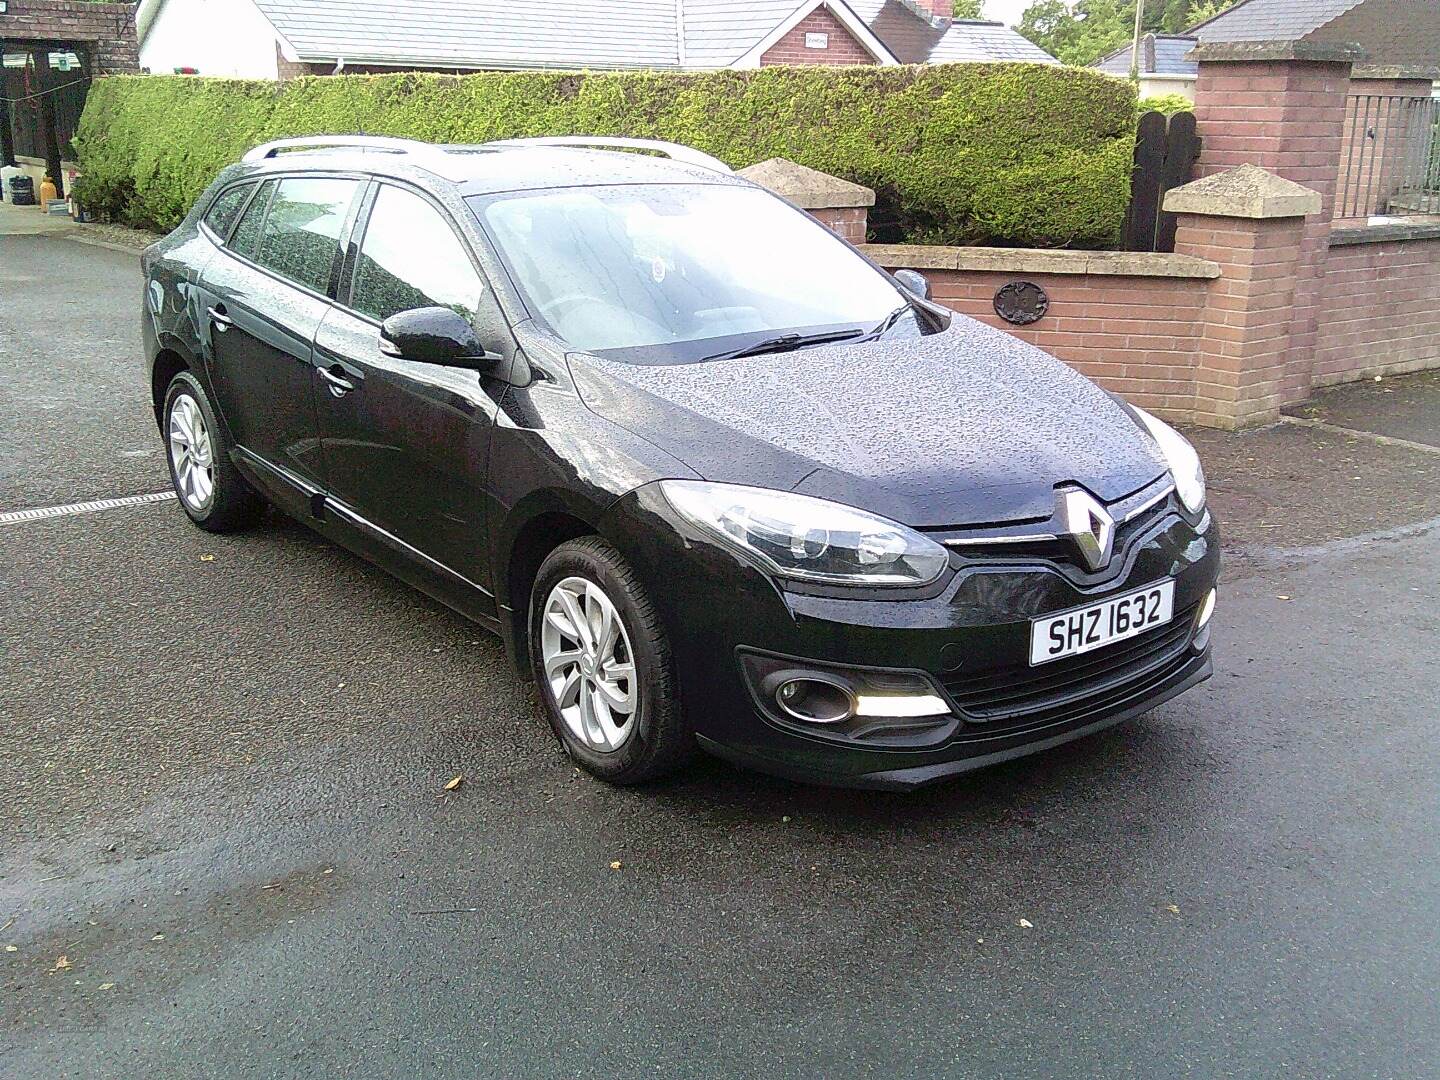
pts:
[284, 38]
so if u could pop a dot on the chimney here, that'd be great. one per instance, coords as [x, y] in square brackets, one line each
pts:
[936, 9]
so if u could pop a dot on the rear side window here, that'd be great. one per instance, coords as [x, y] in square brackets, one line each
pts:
[246, 237]
[301, 235]
[411, 258]
[225, 209]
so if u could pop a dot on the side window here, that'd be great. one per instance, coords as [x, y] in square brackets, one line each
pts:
[302, 231]
[412, 258]
[246, 237]
[225, 209]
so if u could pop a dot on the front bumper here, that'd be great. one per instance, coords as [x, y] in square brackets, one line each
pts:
[967, 637]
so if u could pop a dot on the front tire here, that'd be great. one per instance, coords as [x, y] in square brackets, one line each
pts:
[602, 666]
[211, 490]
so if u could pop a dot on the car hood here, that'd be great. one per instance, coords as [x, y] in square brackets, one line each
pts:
[966, 426]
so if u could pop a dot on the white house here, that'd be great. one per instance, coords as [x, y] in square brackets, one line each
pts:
[270, 39]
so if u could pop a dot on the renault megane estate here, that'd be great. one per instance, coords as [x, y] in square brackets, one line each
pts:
[717, 480]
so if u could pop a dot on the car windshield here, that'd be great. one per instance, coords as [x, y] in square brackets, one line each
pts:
[672, 272]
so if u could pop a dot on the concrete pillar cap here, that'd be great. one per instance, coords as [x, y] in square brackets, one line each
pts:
[1247, 191]
[809, 189]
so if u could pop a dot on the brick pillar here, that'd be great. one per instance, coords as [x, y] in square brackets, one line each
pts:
[1281, 106]
[838, 203]
[1253, 223]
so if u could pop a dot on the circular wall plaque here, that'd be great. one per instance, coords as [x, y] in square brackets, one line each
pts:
[1021, 303]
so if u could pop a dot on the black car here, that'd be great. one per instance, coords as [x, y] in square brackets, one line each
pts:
[717, 479]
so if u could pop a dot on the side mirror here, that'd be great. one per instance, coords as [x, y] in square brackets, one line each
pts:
[435, 335]
[913, 281]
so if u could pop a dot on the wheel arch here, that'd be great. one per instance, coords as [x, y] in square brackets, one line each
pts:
[549, 520]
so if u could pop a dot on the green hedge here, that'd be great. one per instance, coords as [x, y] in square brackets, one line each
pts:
[1016, 154]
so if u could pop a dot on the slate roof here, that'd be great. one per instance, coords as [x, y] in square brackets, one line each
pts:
[915, 39]
[1168, 57]
[1271, 20]
[480, 33]
[1390, 32]
[595, 33]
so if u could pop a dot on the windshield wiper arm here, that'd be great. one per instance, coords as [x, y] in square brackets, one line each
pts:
[890, 320]
[786, 343]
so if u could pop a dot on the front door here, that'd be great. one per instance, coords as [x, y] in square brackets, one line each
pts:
[263, 300]
[406, 445]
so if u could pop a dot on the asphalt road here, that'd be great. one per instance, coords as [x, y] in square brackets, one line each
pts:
[223, 788]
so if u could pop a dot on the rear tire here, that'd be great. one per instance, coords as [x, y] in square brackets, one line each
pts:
[607, 685]
[211, 490]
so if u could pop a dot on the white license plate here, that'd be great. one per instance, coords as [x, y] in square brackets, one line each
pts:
[1094, 626]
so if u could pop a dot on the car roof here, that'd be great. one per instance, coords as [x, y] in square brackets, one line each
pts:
[486, 170]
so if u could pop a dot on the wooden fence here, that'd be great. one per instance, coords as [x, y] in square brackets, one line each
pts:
[1165, 152]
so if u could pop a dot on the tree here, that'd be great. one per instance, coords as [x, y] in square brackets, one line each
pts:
[969, 9]
[1091, 29]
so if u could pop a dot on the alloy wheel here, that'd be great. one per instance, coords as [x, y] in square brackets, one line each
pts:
[192, 453]
[589, 664]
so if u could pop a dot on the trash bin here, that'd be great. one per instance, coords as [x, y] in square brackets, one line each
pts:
[22, 190]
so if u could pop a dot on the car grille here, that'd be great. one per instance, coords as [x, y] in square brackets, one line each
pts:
[1002, 700]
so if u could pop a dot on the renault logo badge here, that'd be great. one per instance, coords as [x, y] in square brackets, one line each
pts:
[1089, 525]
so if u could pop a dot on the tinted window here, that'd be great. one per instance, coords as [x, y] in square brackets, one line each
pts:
[225, 209]
[302, 230]
[247, 234]
[411, 258]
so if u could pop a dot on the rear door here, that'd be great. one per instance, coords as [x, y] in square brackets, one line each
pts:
[263, 300]
[406, 447]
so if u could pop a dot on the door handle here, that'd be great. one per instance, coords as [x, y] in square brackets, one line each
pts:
[219, 317]
[339, 385]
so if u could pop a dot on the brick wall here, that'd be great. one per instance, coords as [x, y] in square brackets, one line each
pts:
[1380, 310]
[842, 48]
[105, 31]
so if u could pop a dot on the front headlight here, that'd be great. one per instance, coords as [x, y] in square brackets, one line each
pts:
[809, 539]
[1181, 457]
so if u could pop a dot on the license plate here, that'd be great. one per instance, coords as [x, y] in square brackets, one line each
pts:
[1094, 626]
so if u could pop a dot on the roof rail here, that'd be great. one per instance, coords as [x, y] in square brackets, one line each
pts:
[379, 143]
[675, 151]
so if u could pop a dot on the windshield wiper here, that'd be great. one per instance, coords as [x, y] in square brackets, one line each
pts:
[890, 320]
[787, 343]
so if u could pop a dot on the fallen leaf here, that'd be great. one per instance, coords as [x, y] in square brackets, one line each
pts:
[615, 865]
[1173, 909]
[107, 986]
[158, 937]
[453, 784]
[61, 964]
[207, 558]
[786, 819]
[1282, 597]
[12, 948]
[1027, 924]
[272, 885]
[331, 870]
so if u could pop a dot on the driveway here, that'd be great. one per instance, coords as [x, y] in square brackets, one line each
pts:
[228, 851]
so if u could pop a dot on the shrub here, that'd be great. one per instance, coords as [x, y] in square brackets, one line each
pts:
[1169, 104]
[963, 153]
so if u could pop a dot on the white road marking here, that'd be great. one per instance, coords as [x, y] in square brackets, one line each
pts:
[41, 513]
